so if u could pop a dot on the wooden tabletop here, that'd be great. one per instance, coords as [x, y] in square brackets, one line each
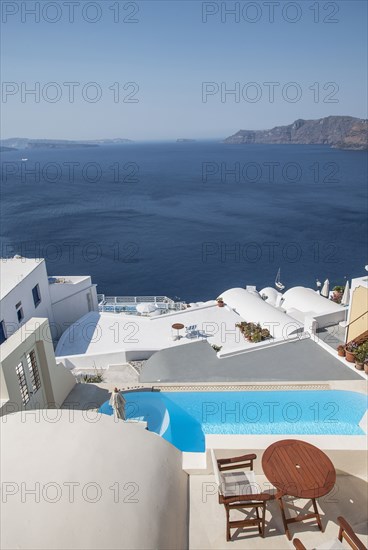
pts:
[177, 326]
[299, 469]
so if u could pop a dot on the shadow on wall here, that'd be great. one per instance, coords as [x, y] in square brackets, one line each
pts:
[86, 397]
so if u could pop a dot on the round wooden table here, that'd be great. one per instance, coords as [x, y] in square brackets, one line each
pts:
[177, 326]
[300, 470]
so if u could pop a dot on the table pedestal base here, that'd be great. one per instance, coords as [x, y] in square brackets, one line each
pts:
[299, 517]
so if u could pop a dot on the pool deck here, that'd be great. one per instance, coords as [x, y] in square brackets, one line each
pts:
[207, 517]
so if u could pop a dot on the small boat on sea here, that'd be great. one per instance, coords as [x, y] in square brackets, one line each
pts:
[24, 160]
[278, 283]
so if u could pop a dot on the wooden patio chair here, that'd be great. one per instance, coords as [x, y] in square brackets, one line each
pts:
[345, 533]
[238, 490]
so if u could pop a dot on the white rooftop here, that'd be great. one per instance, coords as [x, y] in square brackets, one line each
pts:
[308, 300]
[253, 309]
[14, 270]
[98, 333]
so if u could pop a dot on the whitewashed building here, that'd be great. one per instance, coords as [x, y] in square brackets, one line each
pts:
[30, 378]
[26, 291]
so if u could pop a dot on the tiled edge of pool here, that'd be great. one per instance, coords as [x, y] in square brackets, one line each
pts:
[348, 453]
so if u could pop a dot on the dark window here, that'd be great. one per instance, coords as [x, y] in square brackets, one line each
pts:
[33, 370]
[20, 313]
[22, 383]
[36, 295]
[2, 332]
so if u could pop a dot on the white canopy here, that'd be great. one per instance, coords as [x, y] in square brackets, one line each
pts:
[325, 289]
[146, 307]
[346, 296]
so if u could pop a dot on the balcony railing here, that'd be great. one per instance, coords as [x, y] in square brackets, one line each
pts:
[127, 304]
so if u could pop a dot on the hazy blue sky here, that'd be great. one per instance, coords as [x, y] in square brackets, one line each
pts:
[172, 49]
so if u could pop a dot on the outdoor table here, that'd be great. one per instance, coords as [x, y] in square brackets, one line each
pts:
[177, 326]
[300, 470]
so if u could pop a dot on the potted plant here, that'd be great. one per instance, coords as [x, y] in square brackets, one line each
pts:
[359, 359]
[360, 355]
[216, 348]
[341, 350]
[337, 295]
[350, 350]
[220, 302]
[257, 337]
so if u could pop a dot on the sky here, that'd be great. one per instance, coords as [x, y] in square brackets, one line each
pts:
[162, 70]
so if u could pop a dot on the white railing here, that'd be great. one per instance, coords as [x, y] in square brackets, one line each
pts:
[127, 304]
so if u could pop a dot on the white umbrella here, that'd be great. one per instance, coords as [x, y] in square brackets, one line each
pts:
[326, 289]
[146, 308]
[117, 402]
[346, 296]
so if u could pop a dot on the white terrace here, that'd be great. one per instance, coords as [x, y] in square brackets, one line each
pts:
[103, 339]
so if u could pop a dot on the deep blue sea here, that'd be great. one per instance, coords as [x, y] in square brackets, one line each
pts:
[188, 220]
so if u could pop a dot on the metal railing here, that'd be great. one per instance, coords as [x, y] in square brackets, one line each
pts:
[127, 304]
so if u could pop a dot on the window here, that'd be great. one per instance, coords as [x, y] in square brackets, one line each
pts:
[3, 336]
[22, 383]
[20, 313]
[36, 295]
[33, 370]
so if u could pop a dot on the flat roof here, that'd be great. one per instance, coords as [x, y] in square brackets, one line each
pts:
[98, 333]
[14, 270]
[299, 360]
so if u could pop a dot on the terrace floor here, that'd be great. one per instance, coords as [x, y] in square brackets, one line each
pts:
[332, 336]
[207, 523]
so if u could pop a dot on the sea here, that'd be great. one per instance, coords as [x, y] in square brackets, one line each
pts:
[188, 220]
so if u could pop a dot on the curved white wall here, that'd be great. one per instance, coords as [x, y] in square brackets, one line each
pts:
[129, 487]
[272, 295]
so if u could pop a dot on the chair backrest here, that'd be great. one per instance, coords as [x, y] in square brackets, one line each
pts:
[216, 470]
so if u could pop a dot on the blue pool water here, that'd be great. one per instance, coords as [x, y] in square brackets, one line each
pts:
[183, 418]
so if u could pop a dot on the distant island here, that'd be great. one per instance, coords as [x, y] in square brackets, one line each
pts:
[12, 144]
[185, 140]
[342, 132]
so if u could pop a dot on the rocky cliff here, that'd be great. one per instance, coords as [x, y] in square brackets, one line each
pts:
[344, 132]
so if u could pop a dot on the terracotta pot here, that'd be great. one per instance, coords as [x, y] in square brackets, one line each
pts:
[341, 352]
[366, 368]
[349, 356]
[359, 366]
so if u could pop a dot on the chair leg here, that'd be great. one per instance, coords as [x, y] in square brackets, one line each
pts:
[263, 519]
[259, 521]
[228, 534]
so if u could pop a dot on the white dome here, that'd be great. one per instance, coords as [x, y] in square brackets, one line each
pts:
[308, 300]
[271, 293]
[253, 309]
[129, 487]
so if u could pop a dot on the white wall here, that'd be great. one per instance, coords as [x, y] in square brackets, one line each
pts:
[56, 381]
[22, 292]
[62, 304]
[101, 361]
[70, 302]
[142, 492]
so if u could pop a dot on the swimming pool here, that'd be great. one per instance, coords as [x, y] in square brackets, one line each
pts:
[184, 418]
